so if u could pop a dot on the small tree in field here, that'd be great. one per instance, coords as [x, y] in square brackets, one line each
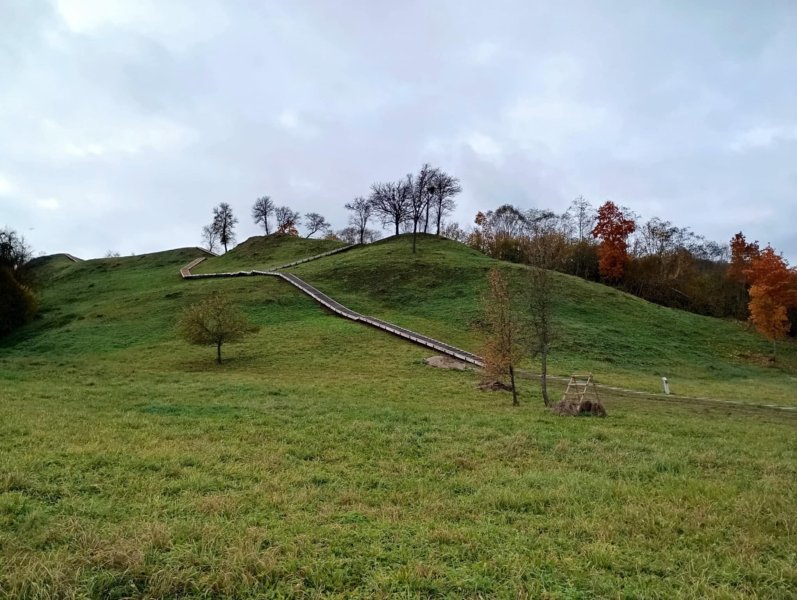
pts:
[772, 294]
[214, 321]
[502, 350]
[543, 251]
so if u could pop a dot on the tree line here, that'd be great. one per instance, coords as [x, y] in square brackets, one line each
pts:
[654, 259]
[418, 202]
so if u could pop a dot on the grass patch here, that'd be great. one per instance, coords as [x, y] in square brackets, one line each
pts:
[324, 458]
[267, 252]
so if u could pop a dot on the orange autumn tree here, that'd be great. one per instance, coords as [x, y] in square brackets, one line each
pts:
[772, 293]
[742, 255]
[480, 238]
[613, 229]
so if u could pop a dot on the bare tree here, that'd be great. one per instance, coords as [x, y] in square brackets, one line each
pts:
[288, 220]
[371, 235]
[351, 235]
[544, 251]
[262, 210]
[224, 224]
[422, 191]
[315, 223]
[582, 214]
[209, 239]
[507, 221]
[391, 203]
[453, 231]
[442, 190]
[420, 187]
[362, 209]
[540, 321]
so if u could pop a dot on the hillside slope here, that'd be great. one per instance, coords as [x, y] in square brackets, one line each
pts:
[621, 338]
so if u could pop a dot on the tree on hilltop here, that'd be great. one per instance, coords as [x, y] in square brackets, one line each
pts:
[288, 220]
[262, 210]
[442, 190]
[223, 225]
[214, 321]
[362, 209]
[315, 223]
[423, 185]
[209, 239]
[391, 203]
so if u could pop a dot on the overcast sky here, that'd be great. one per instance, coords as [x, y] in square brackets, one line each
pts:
[123, 122]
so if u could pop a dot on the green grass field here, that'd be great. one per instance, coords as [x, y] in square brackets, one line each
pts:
[323, 458]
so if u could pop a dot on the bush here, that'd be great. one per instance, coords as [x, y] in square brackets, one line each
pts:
[17, 302]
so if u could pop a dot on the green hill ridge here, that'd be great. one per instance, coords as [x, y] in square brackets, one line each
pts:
[266, 252]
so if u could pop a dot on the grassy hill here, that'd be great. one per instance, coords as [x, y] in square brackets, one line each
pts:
[622, 339]
[325, 459]
[265, 252]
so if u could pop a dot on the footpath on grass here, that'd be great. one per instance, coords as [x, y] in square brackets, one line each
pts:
[431, 343]
[338, 308]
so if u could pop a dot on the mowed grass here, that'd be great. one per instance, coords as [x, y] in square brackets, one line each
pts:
[325, 459]
[624, 340]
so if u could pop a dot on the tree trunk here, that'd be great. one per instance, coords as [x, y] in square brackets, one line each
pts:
[439, 218]
[426, 222]
[397, 226]
[515, 401]
[218, 353]
[414, 235]
[544, 376]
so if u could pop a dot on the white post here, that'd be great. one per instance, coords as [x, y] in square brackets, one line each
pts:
[666, 385]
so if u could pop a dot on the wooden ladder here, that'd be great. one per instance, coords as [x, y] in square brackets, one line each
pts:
[579, 386]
